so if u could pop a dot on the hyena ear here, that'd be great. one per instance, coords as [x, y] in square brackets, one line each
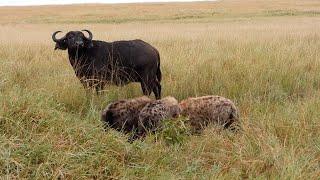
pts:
[61, 45]
[182, 105]
[176, 111]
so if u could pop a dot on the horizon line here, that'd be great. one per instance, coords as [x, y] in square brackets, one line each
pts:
[104, 3]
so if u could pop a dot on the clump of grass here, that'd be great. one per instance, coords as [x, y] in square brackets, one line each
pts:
[174, 131]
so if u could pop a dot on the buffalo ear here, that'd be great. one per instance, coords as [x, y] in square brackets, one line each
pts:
[61, 45]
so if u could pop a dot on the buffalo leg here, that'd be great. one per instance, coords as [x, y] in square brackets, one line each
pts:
[157, 89]
[145, 89]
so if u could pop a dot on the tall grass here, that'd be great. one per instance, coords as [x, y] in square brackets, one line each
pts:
[50, 127]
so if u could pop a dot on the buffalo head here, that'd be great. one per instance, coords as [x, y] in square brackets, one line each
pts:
[72, 40]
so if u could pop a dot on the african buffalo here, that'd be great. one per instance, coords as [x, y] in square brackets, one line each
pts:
[97, 63]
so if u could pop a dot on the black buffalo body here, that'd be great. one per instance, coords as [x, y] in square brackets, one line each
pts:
[97, 63]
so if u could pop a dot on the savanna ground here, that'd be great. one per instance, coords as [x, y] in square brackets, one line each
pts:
[264, 55]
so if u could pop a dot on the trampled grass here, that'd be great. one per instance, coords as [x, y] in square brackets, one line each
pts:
[263, 56]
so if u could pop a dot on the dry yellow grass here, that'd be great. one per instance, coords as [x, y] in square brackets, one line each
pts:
[264, 55]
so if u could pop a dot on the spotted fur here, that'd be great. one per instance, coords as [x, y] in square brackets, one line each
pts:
[155, 112]
[123, 115]
[205, 110]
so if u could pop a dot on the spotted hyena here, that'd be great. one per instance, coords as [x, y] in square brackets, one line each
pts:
[206, 110]
[123, 115]
[152, 115]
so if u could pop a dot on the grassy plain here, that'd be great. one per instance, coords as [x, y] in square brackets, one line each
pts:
[264, 55]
